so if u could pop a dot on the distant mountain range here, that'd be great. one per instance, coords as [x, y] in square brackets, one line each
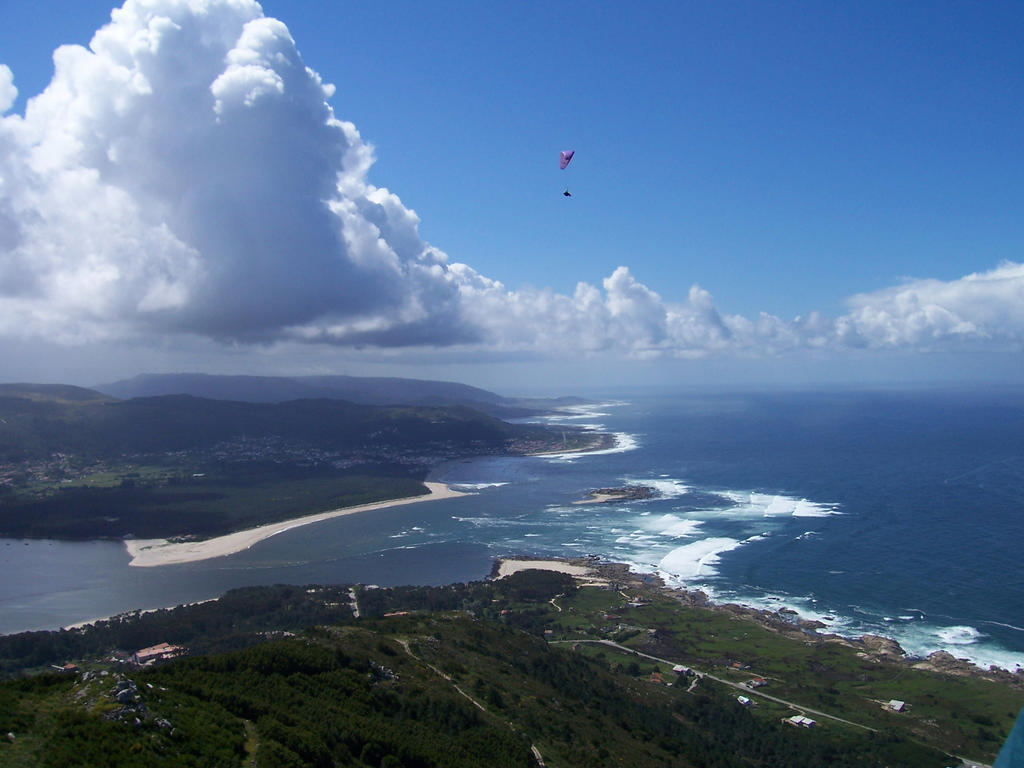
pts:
[355, 389]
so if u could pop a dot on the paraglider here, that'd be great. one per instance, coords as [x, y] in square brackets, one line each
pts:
[563, 160]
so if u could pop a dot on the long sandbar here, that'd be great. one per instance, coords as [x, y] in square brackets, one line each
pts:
[149, 553]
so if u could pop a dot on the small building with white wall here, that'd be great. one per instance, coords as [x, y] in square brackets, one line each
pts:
[800, 720]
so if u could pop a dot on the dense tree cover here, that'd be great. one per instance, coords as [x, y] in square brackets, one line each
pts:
[481, 598]
[243, 616]
[356, 389]
[378, 695]
[76, 464]
[226, 498]
[446, 680]
[36, 426]
[323, 699]
[238, 619]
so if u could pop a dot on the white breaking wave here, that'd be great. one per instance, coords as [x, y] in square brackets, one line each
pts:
[588, 411]
[666, 489]
[492, 522]
[960, 635]
[475, 486]
[777, 505]
[962, 641]
[805, 508]
[695, 560]
[623, 443]
[673, 525]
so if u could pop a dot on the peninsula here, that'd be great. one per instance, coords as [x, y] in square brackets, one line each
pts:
[78, 464]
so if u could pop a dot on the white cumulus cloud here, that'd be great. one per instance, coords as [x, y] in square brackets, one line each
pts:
[980, 307]
[8, 93]
[186, 175]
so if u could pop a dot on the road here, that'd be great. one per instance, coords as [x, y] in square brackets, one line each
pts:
[738, 686]
[533, 747]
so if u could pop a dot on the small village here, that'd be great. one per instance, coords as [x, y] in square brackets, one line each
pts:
[44, 476]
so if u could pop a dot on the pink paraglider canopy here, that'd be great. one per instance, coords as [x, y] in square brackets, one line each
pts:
[565, 157]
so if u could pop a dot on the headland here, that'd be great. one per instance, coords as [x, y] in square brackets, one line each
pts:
[591, 571]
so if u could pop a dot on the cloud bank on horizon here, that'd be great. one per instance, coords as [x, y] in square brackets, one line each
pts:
[187, 175]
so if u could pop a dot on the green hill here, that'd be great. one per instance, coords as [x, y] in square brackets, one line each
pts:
[77, 464]
[366, 390]
[488, 674]
[37, 422]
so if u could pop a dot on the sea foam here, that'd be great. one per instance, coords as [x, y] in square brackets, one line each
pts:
[665, 488]
[965, 642]
[673, 525]
[623, 443]
[476, 486]
[959, 635]
[776, 505]
[696, 560]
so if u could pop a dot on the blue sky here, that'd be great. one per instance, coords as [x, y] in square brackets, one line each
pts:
[784, 157]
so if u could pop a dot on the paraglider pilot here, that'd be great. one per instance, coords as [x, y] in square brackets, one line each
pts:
[563, 160]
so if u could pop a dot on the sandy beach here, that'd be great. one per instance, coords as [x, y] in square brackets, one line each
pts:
[507, 566]
[149, 553]
[598, 498]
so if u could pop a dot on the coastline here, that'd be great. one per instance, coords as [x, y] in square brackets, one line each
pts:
[90, 622]
[602, 441]
[151, 553]
[591, 571]
[625, 493]
[506, 566]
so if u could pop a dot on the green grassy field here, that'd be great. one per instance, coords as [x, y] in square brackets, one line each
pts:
[969, 715]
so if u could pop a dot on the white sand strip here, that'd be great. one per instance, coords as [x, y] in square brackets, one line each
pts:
[601, 498]
[508, 567]
[147, 553]
[90, 622]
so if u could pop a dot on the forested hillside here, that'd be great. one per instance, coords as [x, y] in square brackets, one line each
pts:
[510, 672]
[368, 390]
[35, 424]
[77, 464]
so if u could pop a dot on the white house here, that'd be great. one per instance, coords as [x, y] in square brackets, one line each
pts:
[800, 720]
[157, 653]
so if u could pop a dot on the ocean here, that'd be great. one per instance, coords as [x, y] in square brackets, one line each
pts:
[893, 513]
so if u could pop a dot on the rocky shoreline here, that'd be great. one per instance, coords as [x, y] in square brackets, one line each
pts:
[623, 493]
[788, 623]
